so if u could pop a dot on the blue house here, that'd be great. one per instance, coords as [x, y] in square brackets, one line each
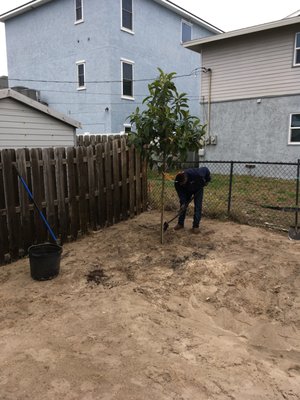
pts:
[92, 60]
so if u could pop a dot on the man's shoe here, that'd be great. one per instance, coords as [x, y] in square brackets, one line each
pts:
[196, 231]
[178, 227]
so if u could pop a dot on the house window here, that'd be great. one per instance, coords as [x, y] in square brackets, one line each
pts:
[78, 11]
[186, 31]
[127, 79]
[294, 136]
[80, 75]
[127, 128]
[297, 49]
[127, 15]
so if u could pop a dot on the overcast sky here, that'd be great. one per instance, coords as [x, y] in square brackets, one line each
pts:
[224, 14]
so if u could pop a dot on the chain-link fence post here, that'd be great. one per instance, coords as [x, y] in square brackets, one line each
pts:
[297, 194]
[230, 188]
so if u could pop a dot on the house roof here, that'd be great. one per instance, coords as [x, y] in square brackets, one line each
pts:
[295, 14]
[22, 9]
[9, 93]
[166, 3]
[196, 45]
[188, 15]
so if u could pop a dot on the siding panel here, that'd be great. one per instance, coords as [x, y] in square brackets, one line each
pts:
[22, 126]
[254, 66]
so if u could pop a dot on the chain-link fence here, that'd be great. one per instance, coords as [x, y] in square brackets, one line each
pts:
[254, 193]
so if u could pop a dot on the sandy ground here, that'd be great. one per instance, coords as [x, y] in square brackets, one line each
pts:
[209, 316]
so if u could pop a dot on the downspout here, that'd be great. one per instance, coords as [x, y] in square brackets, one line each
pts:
[209, 71]
[209, 102]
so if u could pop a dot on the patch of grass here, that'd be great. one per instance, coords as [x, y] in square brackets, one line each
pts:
[249, 194]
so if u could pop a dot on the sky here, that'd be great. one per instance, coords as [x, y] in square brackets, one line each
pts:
[224, 14]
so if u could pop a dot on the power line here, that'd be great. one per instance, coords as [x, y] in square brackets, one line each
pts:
[194, 72]
[87, 82]
[84, 93]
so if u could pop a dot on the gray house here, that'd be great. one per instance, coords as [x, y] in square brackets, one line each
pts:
[250, 92]
[93, 59]
[27, 123]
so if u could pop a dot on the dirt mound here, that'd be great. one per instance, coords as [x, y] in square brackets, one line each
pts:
[209, 316]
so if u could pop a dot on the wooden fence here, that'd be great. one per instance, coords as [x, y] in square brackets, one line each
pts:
[77, 188]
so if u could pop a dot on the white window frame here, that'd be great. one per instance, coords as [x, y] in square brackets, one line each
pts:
[125, 61]
[296, 49]
[291, 129]
[78, 63]
[127, 126]
[78, 21]
[123, 28]
[183, 21]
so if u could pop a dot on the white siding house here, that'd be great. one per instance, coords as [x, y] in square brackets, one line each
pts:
[27, 123]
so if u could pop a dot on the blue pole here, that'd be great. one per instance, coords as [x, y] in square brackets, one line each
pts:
[36, 206]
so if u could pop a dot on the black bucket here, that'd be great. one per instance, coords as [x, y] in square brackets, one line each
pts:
[44, 261]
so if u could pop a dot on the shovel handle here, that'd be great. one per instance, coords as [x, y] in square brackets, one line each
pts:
[37, 207]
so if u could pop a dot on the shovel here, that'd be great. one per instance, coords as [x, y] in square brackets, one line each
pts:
[182, 209]
[166, 224]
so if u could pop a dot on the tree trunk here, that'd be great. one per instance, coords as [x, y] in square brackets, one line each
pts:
[162, 202]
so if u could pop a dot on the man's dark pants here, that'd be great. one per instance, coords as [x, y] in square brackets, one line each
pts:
[198, 200]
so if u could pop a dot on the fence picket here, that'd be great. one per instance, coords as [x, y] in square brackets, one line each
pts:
[124, 186]
[131, 180]
[27, 231]
[80, 154]
[116, 179]
[101, 194]
[9, 189]
[73, 205]
[36, 189]
[59, 154]
[138, 191]
[91, 188]
[50, 188]
[3, 225]
[108, 183]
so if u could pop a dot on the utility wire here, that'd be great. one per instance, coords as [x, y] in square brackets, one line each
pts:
[194, 72]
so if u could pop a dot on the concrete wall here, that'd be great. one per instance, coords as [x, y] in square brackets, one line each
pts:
[23, 126]
[253, 130]
[44, 44]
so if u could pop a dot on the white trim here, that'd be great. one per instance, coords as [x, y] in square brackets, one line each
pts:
[125, 61]
[290, 130]
[78, 21]
[82, 62]
[165, 3]
[295, 14]
[296, 49]
[183, 21]
[123, 28]
[196, 44]
[188, 15]
[22, 9]
[127, 31]
[126, 126]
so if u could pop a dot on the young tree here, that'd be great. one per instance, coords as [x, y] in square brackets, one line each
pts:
[165, 131]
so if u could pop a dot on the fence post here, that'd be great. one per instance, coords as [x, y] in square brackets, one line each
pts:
[230, 188]
[297, 194]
